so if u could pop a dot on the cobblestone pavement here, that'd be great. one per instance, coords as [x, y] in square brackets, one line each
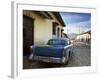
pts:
[81, 57]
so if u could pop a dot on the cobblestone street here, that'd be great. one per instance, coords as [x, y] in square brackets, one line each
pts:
[81, 55]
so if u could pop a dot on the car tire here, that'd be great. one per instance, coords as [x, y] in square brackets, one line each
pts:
[67, 57]
[31, 56]
[64, 59]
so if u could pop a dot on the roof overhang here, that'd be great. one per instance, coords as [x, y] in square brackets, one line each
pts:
[88, 32]
[46, 15]
[43, 14]
[59, 18]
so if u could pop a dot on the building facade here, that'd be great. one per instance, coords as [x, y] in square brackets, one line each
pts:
[40, 26]
[84, 37]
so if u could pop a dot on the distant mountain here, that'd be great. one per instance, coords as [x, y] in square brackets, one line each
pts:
[72, 35]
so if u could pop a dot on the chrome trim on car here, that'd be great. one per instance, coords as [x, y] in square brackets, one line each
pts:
[67, 46]
[47, 59]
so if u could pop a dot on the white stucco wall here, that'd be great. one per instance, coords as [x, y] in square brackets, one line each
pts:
[83, 36]
[42, 28]
[59, 26]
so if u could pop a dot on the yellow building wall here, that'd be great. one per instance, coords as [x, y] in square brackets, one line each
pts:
[42, 28]
[42, 31]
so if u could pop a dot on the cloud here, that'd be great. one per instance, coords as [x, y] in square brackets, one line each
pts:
[76, 22]
[73, 17]
[75, 29]
[84, 24]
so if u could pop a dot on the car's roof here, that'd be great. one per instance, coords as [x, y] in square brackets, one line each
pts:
[59, 39]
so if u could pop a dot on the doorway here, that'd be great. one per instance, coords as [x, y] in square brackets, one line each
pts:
[28, 34]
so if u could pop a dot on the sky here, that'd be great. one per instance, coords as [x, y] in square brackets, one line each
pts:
[76, 22]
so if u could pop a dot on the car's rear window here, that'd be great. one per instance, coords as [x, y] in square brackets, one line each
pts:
[57, 42]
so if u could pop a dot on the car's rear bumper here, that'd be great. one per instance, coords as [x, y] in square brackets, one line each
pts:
[48, 59]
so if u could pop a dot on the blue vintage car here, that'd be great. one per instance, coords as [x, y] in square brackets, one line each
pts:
[56, 51]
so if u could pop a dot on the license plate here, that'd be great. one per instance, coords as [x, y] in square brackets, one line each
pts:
[46, 60]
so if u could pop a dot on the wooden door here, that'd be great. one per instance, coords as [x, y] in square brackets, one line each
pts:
[27, 34]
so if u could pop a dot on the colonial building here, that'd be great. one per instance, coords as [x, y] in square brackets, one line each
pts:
[84, 37]
[40, 26]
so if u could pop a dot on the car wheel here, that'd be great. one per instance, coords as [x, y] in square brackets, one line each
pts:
[31, 56]
[69, 54]
[67, 57]
[64, 60]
